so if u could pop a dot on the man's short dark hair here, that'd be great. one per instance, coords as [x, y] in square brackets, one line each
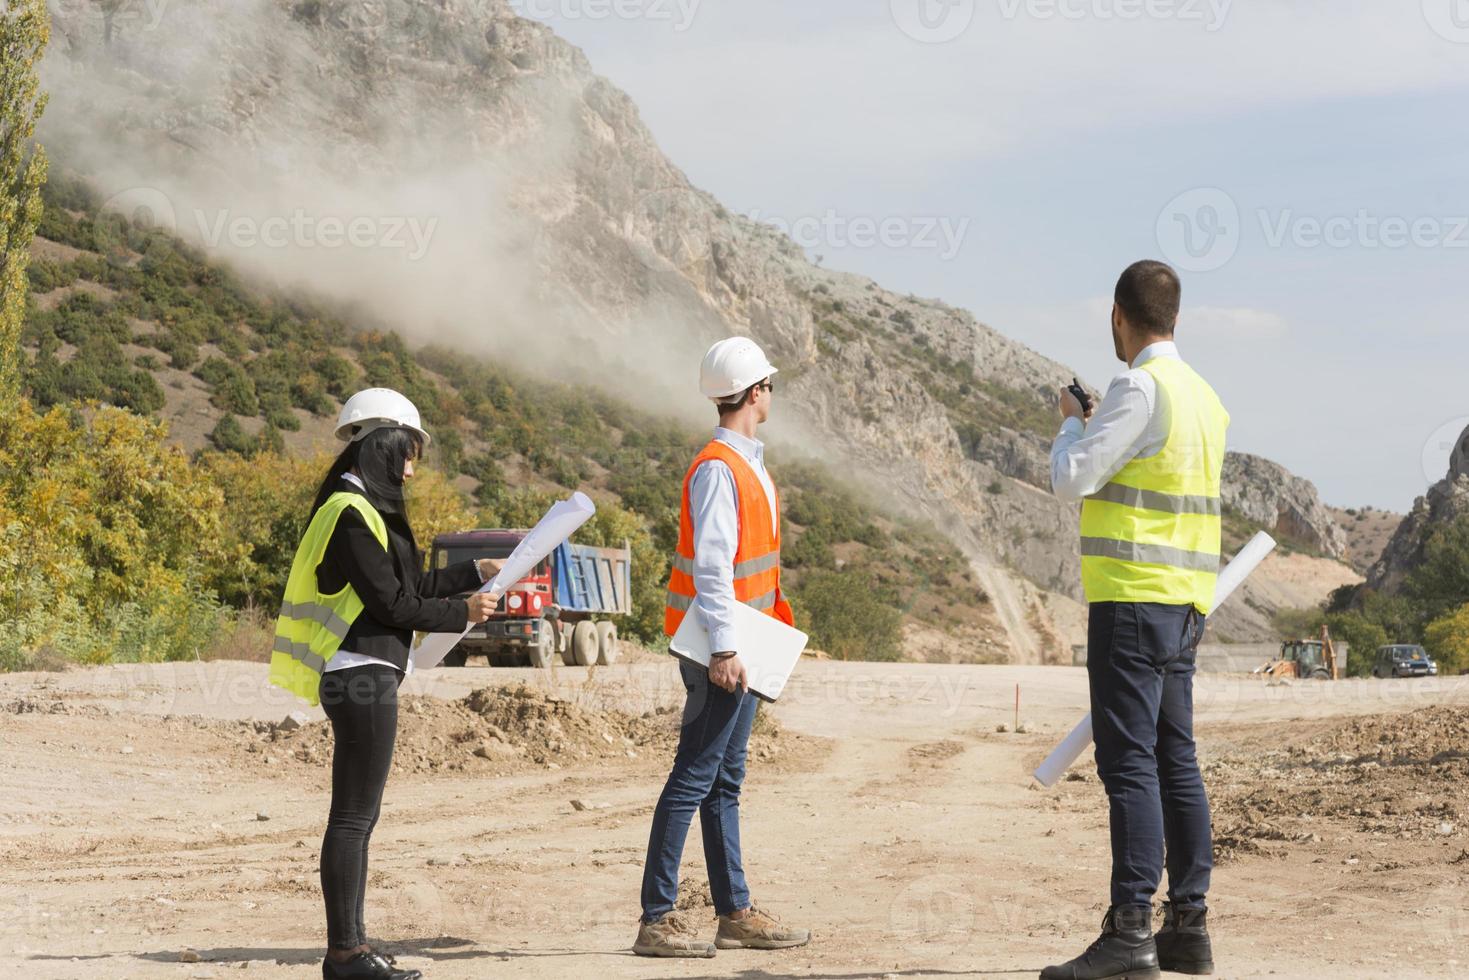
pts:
[1149, 294]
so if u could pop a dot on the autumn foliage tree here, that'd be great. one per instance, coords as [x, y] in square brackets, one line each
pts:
[25, 28]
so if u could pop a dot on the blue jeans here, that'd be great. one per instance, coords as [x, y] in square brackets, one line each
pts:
[707, 772]
[1140, 666]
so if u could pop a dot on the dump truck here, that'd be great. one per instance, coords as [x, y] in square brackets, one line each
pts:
[1315, 659]
[567, 606]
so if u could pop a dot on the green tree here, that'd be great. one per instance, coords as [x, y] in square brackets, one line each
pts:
[846, 616]
[1440, 583]
[1447, 639]
[1362, 635]
[25, 29]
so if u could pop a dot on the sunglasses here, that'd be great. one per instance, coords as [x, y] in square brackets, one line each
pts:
[766, 385]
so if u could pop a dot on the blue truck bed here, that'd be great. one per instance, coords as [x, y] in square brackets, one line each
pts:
[592, 580]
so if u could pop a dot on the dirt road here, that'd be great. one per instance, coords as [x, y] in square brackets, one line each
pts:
[145, 818]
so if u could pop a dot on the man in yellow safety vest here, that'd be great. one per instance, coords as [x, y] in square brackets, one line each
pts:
[1146, 467]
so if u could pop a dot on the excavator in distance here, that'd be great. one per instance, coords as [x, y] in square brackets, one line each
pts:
[1314, 660]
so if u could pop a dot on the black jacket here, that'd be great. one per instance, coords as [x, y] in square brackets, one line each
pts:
[398, 597]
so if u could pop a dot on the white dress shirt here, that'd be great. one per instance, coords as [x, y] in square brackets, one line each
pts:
[1131, 423]
[714, 510]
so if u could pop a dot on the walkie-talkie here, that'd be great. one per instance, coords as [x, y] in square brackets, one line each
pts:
[1076, 389]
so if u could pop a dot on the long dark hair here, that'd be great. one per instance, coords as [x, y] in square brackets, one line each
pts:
[378, 458]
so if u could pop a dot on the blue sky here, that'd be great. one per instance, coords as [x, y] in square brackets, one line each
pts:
[1306, 163]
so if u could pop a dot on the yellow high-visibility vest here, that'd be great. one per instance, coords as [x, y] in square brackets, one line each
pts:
[312, 624]
[1152, 533]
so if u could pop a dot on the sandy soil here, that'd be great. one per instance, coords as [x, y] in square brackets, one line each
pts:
[151, 814]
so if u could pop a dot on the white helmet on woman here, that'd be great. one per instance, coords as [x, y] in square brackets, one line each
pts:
[731, 366]
[377, 408]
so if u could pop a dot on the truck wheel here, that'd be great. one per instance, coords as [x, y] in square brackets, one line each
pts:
[568, 656]
[607, 649]
[584, 643]
[545, 648]
[1320, 674]
[455, 658]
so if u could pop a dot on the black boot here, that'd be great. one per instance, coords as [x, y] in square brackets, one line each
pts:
[366, 966]
[1183, 942]
[1124, 951]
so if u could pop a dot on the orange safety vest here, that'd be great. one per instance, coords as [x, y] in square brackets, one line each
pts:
[757, 560]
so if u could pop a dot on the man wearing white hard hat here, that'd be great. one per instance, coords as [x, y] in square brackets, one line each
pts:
[356, 593]
[728, 552]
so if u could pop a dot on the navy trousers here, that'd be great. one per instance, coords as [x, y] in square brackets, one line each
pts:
[1140, 666]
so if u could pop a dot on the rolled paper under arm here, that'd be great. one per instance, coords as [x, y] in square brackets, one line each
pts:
[1071, 747]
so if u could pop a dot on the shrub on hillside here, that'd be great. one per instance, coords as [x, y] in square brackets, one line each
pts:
[847, 617]
[107, 532]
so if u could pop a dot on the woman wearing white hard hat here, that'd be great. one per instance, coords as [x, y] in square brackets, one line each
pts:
[356, 593]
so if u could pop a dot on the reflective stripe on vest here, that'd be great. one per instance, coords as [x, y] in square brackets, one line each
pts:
[312, 624]
[1152, 534]
[757, 557]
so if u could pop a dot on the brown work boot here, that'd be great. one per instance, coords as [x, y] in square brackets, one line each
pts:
[676, 934]
[758, 930]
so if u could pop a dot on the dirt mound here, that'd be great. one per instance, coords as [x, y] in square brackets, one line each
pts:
[490, 728]
[1437, 734]
[1400, 776]
[502, 728]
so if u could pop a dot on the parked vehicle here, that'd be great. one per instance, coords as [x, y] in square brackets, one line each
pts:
[1403, 660]
[565, 606]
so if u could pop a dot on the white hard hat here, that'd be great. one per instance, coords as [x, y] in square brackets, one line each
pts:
[731, 366]
[377, 408]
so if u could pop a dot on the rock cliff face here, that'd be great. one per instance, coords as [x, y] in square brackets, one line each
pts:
[1268, 496]
[1446, 501]
[564, 237]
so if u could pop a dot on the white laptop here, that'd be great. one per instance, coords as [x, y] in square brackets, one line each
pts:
[768, 648]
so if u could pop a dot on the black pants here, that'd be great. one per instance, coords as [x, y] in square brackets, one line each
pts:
[1140, 665]
[362, 704]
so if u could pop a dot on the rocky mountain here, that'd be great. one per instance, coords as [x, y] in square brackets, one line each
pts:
[1446, 501]
[544, 225]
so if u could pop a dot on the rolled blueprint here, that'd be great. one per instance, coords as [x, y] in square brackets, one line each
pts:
[560, 523]
[1071, 747]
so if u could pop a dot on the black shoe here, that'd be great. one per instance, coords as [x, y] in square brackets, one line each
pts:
[1183, 942]
[1124, 951]
[366, 966]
